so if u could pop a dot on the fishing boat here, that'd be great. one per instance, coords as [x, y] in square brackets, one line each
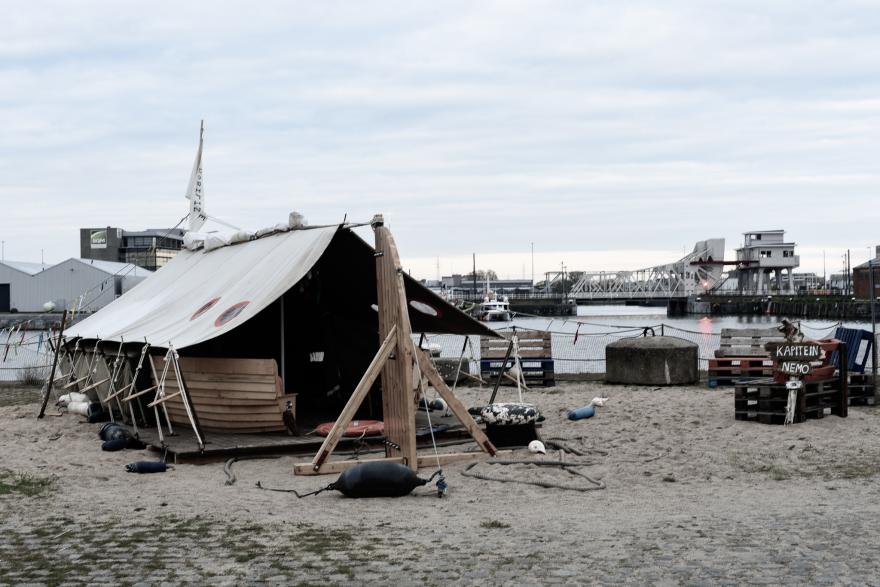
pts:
[494, 307]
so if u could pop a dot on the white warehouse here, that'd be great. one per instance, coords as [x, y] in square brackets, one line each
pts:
[85, 283]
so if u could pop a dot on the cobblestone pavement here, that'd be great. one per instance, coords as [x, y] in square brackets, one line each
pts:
[759, 539]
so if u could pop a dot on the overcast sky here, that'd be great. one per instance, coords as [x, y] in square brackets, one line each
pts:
[612, 135]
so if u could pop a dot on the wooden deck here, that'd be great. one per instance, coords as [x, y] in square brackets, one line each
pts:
[183, 448]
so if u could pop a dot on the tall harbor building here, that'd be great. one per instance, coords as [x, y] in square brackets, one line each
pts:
[765, 254]
[150, 249]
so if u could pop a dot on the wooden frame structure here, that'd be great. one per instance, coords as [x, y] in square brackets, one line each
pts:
[395, 362]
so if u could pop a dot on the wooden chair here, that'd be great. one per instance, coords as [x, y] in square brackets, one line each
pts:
[536, 357]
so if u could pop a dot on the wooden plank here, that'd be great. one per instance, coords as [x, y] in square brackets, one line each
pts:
[240, 410]
[454, 404]
[446, 458]
[357, 397]
[339, 466]
[233, 390]
[202, 379]
[229, 366]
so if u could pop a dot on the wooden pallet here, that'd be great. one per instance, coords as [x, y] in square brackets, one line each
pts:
[861, 390]
[746, 342]
[730, 370]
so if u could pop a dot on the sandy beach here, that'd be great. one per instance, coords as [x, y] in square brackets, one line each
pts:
[691, 497]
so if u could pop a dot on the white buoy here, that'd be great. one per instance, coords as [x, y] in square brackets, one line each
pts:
[49, 306]
[537, 447]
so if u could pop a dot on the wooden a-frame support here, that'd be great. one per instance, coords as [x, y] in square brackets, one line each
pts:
[395, 361]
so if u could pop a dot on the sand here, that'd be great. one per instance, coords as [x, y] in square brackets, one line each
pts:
[692, 497]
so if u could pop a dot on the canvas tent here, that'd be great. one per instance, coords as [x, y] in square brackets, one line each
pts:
[305, 298]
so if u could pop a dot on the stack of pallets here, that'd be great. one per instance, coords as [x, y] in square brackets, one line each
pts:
[742, 355]
[861, 390]
[762, 400]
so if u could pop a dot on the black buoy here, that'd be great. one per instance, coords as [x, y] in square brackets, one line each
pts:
[377, 479]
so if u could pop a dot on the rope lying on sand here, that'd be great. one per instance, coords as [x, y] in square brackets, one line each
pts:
[565, 466]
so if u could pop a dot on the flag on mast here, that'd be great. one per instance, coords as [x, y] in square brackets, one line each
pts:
[195, 192]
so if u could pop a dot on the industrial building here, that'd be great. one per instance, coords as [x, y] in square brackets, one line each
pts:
[150, 249]
[764, 254]
[861, 278]
[86, 284]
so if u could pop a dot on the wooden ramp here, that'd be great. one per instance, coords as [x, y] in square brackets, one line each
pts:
[183, 447]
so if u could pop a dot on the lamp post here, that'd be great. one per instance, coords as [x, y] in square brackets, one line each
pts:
[873, 324]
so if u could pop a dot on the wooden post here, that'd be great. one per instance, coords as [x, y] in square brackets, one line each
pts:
[398, 406]
[54, 364]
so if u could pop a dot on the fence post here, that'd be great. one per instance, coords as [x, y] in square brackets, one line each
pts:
[662, 331]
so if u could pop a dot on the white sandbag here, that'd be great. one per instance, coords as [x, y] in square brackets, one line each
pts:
[80, 408]
[72, 397]
[240, 237]
[215, 240]
[296, 220]
[193, 240]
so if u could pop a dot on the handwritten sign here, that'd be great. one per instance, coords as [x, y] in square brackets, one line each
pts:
[803, 352]
[794, 368]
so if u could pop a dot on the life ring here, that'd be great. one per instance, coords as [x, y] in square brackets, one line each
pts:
[354, 428]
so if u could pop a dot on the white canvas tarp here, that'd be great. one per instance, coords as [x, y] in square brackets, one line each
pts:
[200, 295]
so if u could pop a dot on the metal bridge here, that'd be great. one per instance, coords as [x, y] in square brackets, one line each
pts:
[696, 273]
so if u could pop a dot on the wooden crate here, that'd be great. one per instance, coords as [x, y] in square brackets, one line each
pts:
[762, 400]
[536, 357]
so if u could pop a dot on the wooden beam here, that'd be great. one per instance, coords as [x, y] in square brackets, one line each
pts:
[356, 399]
[128, 398]
[94, 385]
[339, 466]
[162, 400]
[77, 382]
[454, 404]
[398, 407]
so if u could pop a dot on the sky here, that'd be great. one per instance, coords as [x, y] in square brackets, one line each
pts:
[606, 135]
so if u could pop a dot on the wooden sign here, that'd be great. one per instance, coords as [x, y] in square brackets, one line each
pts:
[797, 352]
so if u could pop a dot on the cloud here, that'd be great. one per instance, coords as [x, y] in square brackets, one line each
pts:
[605, 132]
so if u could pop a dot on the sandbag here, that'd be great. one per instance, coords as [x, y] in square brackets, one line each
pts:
[377, 479]
[79, 408]
[512, 414]
[146, 467]
[73, 396]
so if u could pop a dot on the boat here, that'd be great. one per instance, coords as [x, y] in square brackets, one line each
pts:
[494, 308]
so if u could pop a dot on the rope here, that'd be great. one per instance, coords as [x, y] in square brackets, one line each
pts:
[441, 482]
[567, 467]
[294, 491]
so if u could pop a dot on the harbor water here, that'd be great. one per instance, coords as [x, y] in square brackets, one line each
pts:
[578, 343]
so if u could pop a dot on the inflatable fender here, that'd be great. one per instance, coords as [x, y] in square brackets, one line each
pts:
[146, 467]
[581, 413]
[78, 408]
[377, 479]
[509, 414]
[115, 444]
[113, 431]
